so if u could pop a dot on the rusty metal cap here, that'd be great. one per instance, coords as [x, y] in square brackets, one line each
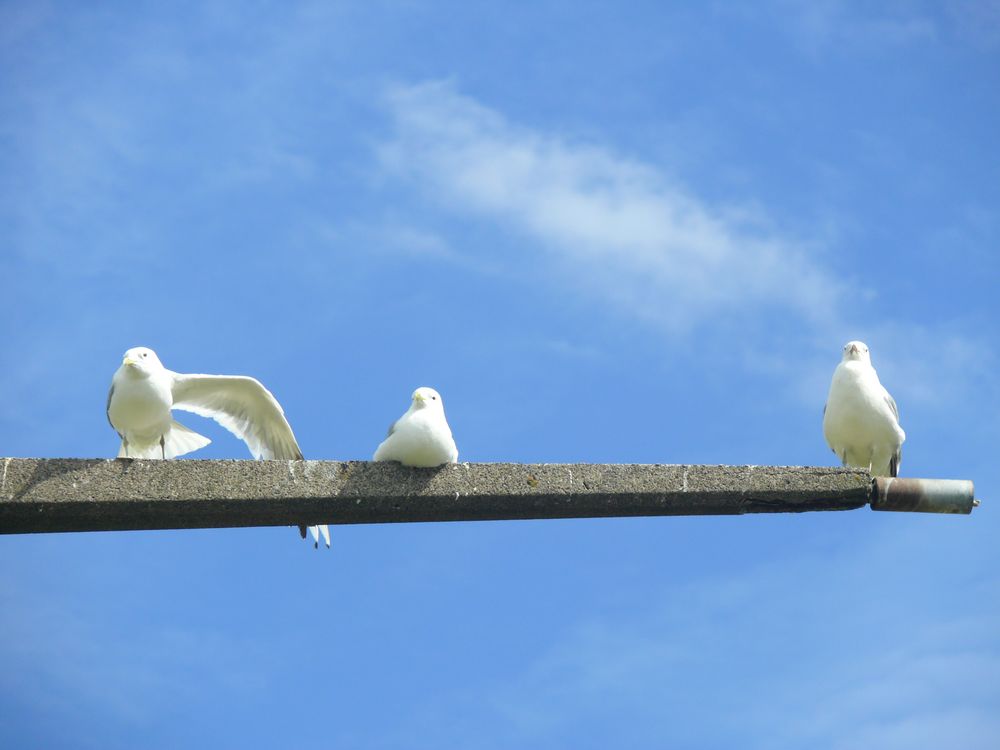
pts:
[924, 495]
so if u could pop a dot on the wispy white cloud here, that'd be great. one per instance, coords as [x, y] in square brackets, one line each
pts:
[818, 26]
[835, 22]
[619, 227]
[388, 237]
[618, 230]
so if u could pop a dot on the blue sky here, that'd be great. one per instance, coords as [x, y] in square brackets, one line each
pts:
[605, 233]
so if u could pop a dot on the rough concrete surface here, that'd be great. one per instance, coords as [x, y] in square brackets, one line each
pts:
[42, 495]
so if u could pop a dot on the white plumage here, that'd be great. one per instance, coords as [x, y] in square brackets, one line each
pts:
[861, 421]
[143, 392]
[421, 437]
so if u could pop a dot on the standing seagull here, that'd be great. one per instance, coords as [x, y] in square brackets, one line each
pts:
[143, 392]
[860, 419]
[421, 437]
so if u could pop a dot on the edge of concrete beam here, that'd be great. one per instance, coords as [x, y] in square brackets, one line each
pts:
[48, 495]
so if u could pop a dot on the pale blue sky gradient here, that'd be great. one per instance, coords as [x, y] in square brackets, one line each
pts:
[634, 233]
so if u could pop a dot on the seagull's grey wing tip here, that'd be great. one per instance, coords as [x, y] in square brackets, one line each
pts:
[107, 408]
[892, 405]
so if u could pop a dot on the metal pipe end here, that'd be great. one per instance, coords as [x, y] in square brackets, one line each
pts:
[924, 495]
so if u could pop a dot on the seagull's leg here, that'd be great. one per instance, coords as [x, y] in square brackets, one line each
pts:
[163, 448]
[125, 446]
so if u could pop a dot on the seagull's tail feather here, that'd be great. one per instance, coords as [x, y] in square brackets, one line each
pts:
[316, 531]
[180, 440]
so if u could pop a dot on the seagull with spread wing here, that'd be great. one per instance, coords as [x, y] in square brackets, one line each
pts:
[861, 420]
[421, 437]
[143, 392]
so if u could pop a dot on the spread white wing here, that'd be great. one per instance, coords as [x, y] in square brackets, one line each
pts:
[243, 406]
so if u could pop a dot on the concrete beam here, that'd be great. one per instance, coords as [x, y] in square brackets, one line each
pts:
[46, 495]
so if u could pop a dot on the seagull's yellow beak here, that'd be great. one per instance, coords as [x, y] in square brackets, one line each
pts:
[854, 349]
[128, 361]
[419, 397]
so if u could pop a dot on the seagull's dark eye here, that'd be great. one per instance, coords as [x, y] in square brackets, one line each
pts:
[144, 354]
[434, 398]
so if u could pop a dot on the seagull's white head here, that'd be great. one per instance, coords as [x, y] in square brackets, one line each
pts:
[141, 361]
[857, 351]
[427, 398]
